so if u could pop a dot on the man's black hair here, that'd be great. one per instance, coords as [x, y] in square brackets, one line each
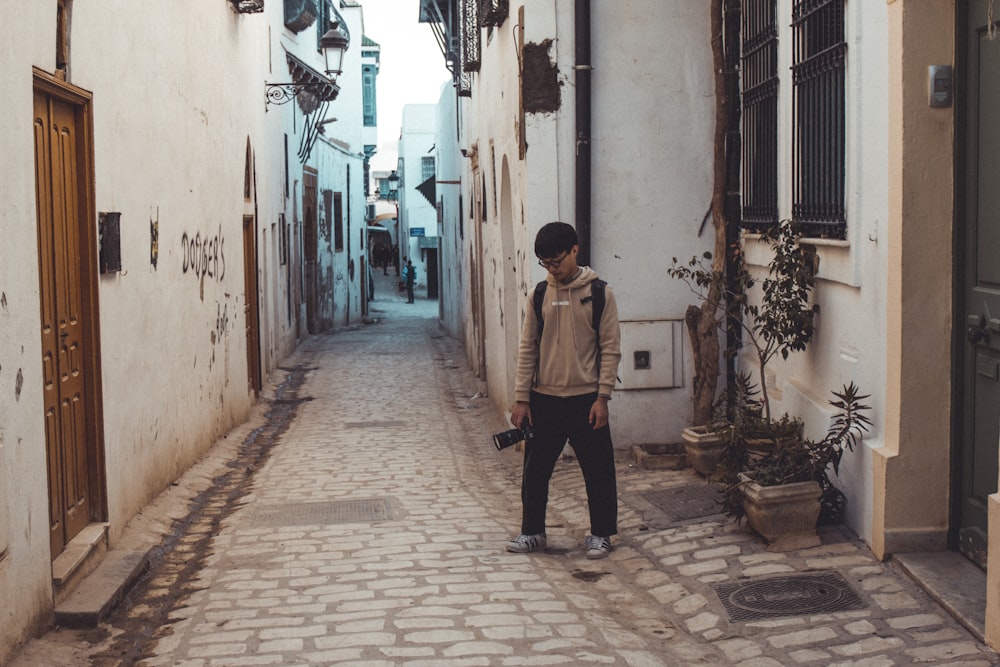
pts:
[554, 239]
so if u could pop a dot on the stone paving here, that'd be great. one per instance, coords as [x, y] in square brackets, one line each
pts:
[374, 535]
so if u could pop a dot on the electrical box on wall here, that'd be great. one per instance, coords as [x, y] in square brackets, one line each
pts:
[939, 84]
[109, 239]
[651, 354]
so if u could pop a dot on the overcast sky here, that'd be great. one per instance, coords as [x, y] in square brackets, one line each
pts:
[411, 68]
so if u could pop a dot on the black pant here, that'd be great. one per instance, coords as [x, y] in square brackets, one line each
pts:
[556, 420]
[409, 292]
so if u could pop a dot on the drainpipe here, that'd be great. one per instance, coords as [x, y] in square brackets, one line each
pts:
[583, 69]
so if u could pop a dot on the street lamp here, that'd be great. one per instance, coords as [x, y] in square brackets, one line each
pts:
[308, 81]
[334, 43]
[393, 179]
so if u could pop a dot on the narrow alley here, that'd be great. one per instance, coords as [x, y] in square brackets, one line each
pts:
[371, 532]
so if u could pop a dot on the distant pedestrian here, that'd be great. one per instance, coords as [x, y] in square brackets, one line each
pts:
[395, 258]
[411, 279]
[384, 259]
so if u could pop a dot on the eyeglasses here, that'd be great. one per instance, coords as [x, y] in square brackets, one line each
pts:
[552, 263]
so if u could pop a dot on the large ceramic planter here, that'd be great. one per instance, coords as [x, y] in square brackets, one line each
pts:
[703, 448]
[784, 515]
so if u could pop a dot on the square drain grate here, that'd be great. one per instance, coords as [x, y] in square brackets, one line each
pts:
[375, 424]
[682, 503]
[361, 510]
[793, 595]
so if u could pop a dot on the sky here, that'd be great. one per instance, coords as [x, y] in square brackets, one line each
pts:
[411, 68]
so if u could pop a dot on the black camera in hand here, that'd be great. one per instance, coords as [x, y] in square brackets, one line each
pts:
[514, 436]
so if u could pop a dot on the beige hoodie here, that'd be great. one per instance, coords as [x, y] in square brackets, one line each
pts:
[567, 365]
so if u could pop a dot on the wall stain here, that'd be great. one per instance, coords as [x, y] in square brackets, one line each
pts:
[18, 384]
[540, 86]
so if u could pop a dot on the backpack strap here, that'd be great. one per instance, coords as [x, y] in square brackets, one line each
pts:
[597, 294]
[537, 299]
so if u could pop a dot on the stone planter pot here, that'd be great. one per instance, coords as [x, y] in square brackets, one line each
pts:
[703, 448]
[784, 515]
[670, 456]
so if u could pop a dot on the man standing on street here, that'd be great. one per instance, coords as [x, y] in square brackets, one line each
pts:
[566, 371]
[411, 279]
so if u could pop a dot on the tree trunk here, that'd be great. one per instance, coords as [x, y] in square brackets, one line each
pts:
[703, 322]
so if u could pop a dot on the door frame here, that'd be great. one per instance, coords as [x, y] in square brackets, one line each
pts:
[46, 84]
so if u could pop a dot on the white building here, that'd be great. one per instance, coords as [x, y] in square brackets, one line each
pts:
[870, 123]
[418, 221]
[159, 217]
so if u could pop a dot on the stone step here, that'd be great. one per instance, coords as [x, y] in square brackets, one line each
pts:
[103, 589]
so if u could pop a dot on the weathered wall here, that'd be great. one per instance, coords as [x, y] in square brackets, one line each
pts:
[24, 587]
[176, 103]
[651, 111]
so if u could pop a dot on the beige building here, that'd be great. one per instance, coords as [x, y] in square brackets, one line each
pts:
[871, 123]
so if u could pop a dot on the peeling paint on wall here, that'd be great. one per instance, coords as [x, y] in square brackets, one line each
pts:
[154, 238]
[540, 87]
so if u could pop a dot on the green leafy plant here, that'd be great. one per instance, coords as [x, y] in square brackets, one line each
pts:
[803, 460]
[782, 321]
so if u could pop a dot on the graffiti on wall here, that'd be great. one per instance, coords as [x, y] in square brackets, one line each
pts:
[204, 256]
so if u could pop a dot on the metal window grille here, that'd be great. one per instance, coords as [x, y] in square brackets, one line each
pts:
[760, 113]
[493, 12]
[426, 168]
[463, 81]
[471, 43]
[368, 94]
[248, 6]
[819, 56]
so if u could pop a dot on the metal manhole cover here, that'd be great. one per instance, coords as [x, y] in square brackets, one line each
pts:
[375, 424]
[686, 502]
[794, 595]
[362, 510]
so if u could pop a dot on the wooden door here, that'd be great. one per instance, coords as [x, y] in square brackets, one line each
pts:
[310, 250]
[980, 148]
[67, 286]
[250, 309]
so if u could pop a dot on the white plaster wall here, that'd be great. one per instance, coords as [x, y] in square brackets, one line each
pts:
[25, 588]
[170, 134]
[454, 229]
[849, 344]
[652, 115]
[653, 119]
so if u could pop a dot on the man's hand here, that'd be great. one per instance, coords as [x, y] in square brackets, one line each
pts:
[599, 413]
[519, 412]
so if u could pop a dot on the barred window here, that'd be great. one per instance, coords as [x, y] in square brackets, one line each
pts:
[426, 168]
[368, 88]
[760, 113]
[818, 65]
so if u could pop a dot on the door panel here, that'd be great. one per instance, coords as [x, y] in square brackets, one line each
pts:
[981, 418]
[57, 159]
[250, 307]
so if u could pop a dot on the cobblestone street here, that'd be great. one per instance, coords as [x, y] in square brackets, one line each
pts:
[373, 534]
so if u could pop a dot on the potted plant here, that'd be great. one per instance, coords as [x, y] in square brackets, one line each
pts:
[785, 493]
[781, 323]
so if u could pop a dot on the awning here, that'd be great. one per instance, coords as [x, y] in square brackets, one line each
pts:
[316, 87]
[429, 190]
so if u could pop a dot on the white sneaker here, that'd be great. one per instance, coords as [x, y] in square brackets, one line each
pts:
[523, 544]
[597, 547]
